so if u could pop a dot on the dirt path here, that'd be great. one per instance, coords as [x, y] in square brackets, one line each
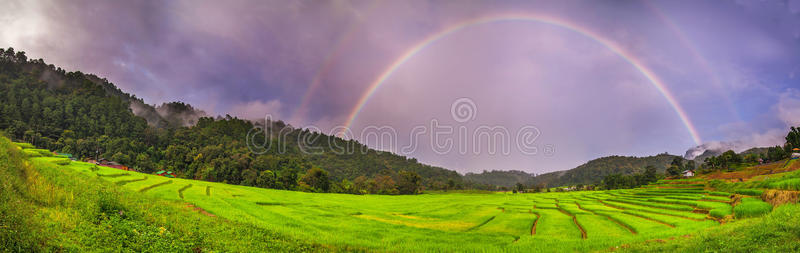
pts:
[574, 220]
[533, 227]
[646, 211]
[609, 218]
[650, 219]
[200, 210]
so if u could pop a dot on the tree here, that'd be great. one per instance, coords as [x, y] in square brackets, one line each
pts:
[360, 185]
[776, 153]
[678, 163]
[249, 177]
[520, 187]
[730, 157]
[650, 174]
[793, 138]
[690, 165]
[409, 182]
[288, 179]
[673, 170]
[384, 184]
[318, 179]
[266, 179]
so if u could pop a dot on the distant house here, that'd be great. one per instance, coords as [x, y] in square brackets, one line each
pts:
[164, 173]
[688, 173]
[795, 153]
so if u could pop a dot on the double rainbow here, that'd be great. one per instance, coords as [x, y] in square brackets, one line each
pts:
[627, 56]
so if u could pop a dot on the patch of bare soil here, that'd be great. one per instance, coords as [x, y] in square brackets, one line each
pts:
[200, 210]
[533, 227]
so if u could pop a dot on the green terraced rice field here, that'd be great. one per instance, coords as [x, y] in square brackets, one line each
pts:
[570, 221]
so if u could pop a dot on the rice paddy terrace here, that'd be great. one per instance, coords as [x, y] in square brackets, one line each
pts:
[571, 221]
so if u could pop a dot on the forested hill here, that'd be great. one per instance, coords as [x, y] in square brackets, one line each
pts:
[506, 178]
[87, 116]
[595, 170]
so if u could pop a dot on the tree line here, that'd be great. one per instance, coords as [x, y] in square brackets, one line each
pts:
[89, 117]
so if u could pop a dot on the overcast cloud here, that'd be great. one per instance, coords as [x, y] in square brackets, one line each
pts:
[734, 66]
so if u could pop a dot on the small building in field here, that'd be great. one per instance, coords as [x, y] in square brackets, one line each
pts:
[164, 173]
[688, 173]
[795, 153]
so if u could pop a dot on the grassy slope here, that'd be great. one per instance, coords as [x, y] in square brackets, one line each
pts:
[429, 222]
[779, 231]
[77, 208]
[46, 208]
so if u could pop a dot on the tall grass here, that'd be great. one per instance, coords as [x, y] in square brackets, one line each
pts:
[750, 192]
[778, 231]
[246, 219]
[48, 208]
[786, 184]
[751, 207]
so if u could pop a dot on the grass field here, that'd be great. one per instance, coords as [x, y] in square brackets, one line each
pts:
[212, 216]
[576, 221]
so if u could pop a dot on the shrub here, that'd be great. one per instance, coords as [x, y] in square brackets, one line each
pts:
[750, 192]
[720, 212]
[751, 207]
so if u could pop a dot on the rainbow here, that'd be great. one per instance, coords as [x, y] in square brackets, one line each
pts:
[411, 52]
[704, 64]
[327, 63]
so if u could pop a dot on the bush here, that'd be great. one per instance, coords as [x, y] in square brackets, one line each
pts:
[720, 212]
[750, 192]
[751, 207]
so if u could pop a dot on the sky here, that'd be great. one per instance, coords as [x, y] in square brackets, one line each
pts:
[562, 82]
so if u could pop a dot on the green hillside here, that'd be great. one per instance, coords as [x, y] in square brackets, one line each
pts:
[595, 170]
[505, 178]
[46, 207]
[89, 117]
